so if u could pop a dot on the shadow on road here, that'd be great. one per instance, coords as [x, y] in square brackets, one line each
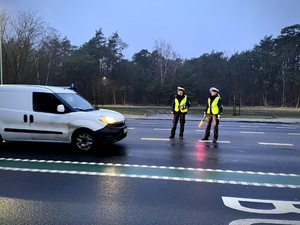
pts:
[58, 151]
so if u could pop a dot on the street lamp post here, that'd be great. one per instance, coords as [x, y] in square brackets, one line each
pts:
[103, 85]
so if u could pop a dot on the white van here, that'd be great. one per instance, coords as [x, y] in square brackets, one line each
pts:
[56, 114]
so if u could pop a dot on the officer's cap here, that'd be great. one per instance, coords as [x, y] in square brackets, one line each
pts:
[180, 89]
[214, 89]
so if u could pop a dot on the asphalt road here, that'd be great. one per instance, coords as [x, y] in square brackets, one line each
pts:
[251, 176]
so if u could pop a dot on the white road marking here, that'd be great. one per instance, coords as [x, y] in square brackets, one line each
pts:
[209, 141]
[131, 128]
[278, 144]
[161, 129]
[69, 170]
[155, 139]
[293, 133]
[280, 207]
[293, 128]
[250, 132]
[150, 166]
[250, 126]
[264, 221]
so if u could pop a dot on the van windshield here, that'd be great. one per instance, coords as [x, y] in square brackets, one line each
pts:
[76, 101]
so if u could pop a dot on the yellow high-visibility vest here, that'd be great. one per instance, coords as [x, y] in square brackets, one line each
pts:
[213, 106]
[182, 103]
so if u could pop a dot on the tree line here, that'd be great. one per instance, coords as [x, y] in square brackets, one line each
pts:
[34, 53]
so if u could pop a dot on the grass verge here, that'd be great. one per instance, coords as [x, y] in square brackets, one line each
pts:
[245, 112]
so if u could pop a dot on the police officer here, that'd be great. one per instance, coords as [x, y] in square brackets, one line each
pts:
[213, 112]
[180, 107]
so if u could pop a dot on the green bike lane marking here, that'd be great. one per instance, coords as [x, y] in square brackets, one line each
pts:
[154, 172]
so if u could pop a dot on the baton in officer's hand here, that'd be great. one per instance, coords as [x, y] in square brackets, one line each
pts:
[201, 122]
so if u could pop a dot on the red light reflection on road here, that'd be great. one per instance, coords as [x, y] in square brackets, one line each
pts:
[200, 152]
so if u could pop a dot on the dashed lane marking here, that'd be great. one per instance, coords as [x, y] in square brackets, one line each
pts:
[249, 178]
[155, 139]
[210, 141]
[249, 126]
[162, 129]
[293, 133]
[285, 127]
[289, 125]
[250, 132]
[276, 144]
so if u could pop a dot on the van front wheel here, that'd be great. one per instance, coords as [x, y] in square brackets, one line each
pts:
[84, 140]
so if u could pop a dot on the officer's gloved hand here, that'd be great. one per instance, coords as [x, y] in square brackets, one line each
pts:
[219, 117]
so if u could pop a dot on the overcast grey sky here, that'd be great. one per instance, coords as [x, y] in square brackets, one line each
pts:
[192, 27]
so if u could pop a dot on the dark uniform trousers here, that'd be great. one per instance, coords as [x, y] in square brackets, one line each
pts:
[209, 119]
[177, 116]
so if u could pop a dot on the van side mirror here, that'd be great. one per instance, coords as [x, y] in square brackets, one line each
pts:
[61, 108]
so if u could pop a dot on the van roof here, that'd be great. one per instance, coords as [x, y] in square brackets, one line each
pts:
[35, 88]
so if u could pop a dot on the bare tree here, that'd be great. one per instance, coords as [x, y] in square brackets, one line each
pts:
[3, 21]
[165, 62]
[50, 48]
[23, 34]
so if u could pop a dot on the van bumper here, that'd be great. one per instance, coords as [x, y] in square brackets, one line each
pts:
[111, 134]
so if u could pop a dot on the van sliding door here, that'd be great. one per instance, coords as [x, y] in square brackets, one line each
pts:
[14, 116]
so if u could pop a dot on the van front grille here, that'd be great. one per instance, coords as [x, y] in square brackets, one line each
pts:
[118, 124]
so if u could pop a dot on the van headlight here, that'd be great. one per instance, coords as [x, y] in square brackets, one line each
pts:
[108, 119]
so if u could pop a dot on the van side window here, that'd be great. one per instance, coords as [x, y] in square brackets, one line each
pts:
[45, 102]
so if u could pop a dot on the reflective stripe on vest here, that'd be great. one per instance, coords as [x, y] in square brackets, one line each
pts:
[182, 103]
[213, 106]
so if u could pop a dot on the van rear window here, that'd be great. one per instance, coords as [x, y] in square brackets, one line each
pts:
[45, 102]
